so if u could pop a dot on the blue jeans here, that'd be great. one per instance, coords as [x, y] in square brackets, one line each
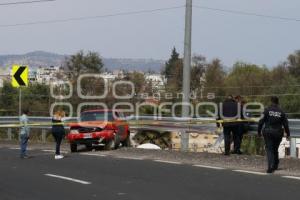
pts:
[58, 139]
[23, 144]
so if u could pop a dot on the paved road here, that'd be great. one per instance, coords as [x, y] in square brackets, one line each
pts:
[108, 177]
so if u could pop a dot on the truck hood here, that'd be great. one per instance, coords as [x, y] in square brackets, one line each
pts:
[91, 124]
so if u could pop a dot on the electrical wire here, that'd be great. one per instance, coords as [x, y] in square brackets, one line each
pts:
[92, 17]
[24, 2]
[238, 12]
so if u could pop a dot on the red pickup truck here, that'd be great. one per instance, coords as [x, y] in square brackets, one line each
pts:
[106, 128]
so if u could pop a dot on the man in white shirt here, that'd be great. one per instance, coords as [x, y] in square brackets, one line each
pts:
[24, 133]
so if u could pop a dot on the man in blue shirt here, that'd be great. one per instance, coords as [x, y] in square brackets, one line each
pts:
[24, 133]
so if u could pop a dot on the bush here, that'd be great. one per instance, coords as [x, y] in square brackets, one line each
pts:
[253, 145]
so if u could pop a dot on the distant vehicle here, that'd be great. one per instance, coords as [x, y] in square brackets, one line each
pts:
[107, 128]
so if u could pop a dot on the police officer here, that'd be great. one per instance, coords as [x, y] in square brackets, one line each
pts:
[274, 121]
[229, 112]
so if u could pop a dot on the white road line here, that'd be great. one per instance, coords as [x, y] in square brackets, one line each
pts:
[18, 148]
[93, 154]
[48, 150]
[169, 162]
[292, 177]
[209, 167]
[15, 148]
[52, 151]
[69, 179]
[130, 158]
[250, 172]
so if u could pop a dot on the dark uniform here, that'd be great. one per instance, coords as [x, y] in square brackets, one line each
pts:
[273, 121]
[238, 138]
[230, 111]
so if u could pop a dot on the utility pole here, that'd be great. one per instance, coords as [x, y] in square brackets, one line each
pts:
[187, 70]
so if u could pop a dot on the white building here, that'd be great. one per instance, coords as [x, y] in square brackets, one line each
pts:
[119, 73]
[5, 75]
[157, 81]
[46, 75]
[109, 77]
[32, 76]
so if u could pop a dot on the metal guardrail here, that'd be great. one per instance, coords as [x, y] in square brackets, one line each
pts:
[166, 123]
[182, 125]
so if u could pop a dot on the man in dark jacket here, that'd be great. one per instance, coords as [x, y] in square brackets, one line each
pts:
[274, 121]
[242, 126]
[229, 112]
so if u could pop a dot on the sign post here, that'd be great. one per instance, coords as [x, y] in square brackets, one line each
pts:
[20, 101]
[19, 79]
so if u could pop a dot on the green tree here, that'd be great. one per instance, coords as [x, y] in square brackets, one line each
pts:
[39, 96]
[168, 71]
[8, 100]
[82, 63]
[173, 72]
[215, 77]
[293, 64]
[35, 97]
[285, 85]
[197, 72]
[138, 80]
[248, 79]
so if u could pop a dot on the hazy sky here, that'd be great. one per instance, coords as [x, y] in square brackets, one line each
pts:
[227, 36]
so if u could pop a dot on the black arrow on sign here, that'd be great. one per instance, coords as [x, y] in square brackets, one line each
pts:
[18, 74]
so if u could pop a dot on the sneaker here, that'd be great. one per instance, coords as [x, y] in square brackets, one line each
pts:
[58, 157]
[270, 171]
[25, 157]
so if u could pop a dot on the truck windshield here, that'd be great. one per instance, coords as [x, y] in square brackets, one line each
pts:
[96, 116]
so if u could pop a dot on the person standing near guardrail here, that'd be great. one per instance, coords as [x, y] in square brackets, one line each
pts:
[58, 132]
[229, 111]
[24, 133]
[272, 127]
[238, 138]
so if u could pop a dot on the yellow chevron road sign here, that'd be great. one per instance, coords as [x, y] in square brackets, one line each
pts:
[19, 76]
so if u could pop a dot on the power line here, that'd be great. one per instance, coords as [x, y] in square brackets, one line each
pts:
[24, 2]
[238, 12]
[92, 17]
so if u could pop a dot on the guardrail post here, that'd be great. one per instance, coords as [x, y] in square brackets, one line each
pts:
[293, 147]
[9, 134]
[44, 134]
